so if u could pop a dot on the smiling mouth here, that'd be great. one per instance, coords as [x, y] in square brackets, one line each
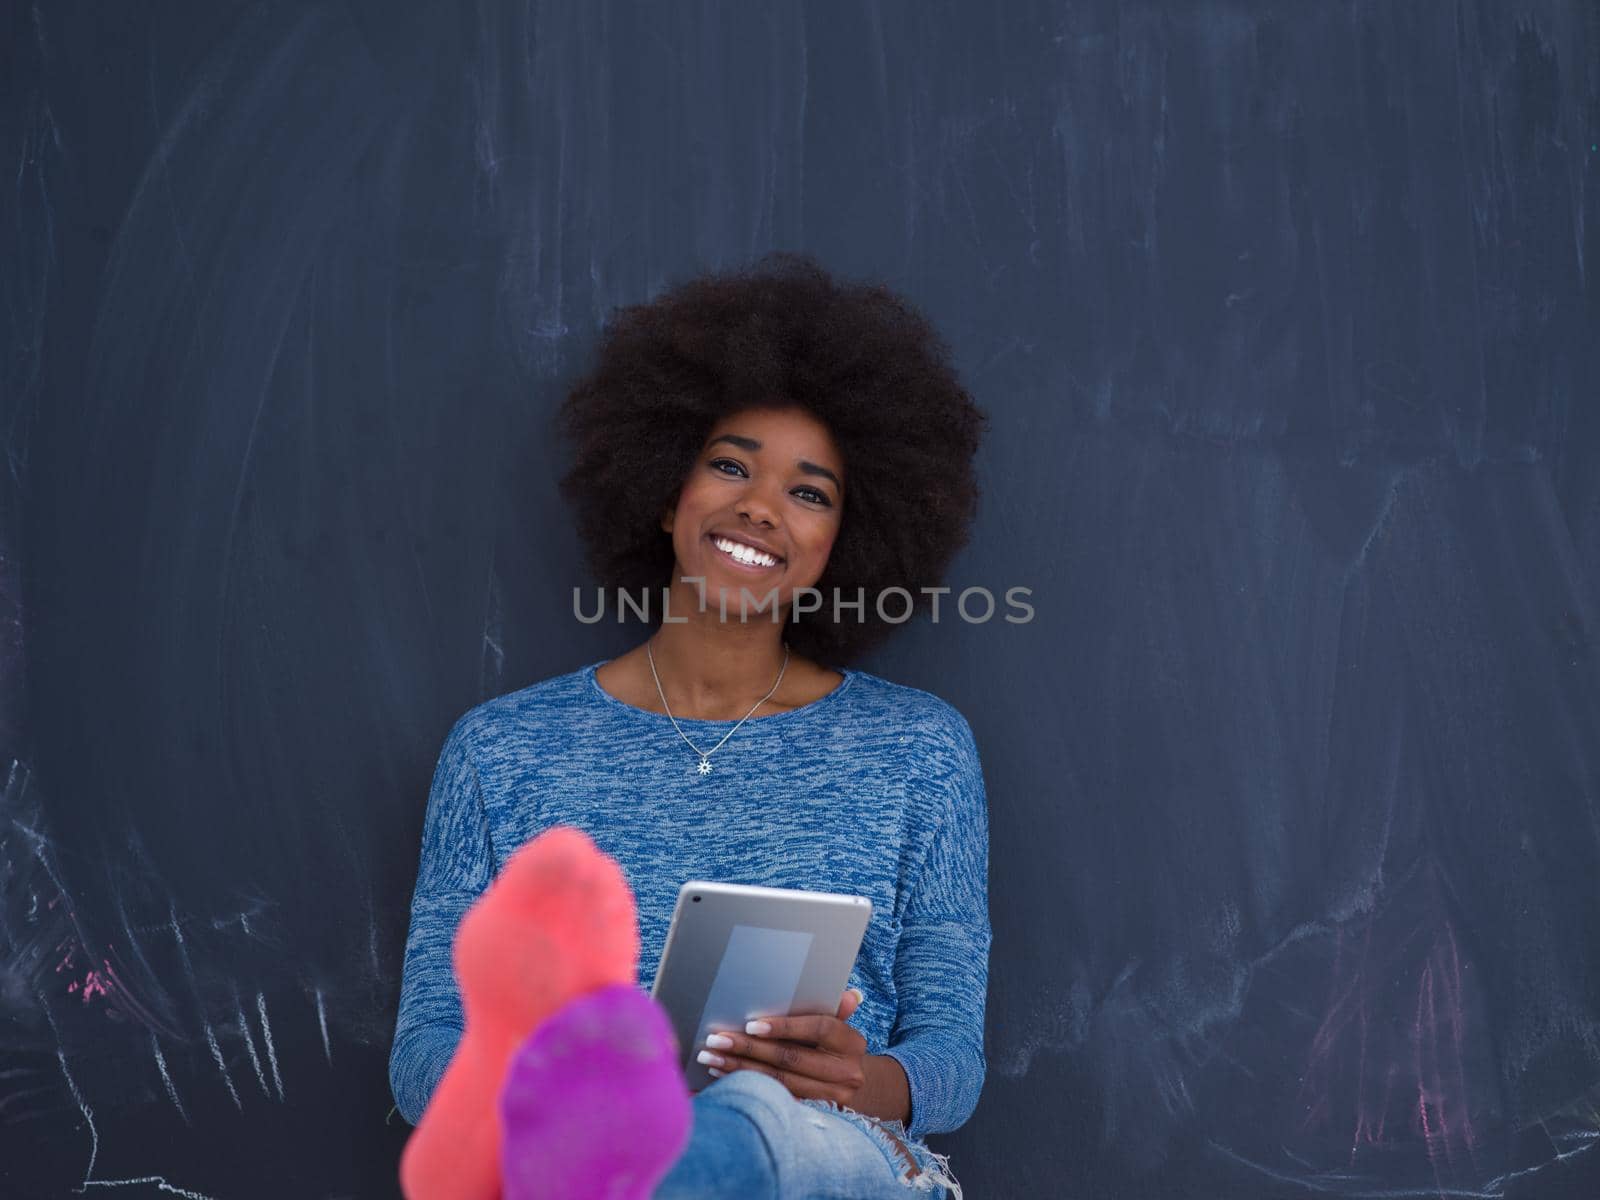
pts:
[744, 556]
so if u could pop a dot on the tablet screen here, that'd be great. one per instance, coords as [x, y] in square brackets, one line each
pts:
[757, 977]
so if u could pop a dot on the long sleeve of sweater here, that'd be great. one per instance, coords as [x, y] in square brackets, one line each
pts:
[941, 969]
[456, 866]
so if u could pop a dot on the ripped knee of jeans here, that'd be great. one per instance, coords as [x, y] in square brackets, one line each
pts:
[920, 1170]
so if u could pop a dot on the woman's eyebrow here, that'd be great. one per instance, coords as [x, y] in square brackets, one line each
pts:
[745, 443]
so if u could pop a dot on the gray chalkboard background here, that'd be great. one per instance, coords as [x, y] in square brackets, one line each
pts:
[1286, 315]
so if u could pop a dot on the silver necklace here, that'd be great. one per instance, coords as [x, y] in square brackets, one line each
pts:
[705, 755]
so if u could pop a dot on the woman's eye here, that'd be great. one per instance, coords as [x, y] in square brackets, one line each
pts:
[736, 470]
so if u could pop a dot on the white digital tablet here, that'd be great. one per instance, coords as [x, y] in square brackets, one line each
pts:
[736, 952]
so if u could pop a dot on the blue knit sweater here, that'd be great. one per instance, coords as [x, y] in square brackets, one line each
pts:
[875, 789]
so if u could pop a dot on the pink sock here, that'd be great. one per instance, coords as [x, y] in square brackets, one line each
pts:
[558, 922]
[595, 1106]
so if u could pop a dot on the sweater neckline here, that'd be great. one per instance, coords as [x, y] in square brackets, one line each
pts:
[819, 704]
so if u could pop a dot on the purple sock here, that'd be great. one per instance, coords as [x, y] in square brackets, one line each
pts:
[594, 1105]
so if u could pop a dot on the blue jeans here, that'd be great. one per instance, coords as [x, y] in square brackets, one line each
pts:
[752, 1140]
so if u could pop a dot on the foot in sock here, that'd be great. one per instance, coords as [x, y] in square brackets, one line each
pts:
[595, 1106]
[556, 923]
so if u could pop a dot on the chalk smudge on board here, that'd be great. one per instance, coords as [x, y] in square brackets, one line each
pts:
[216, 1055]
[322, 1023]
[166, 1078]
[266, 1036]
[250, 1045]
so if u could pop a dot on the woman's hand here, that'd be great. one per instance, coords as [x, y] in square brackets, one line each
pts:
[816, 1057]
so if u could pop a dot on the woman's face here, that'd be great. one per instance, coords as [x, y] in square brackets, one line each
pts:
[767, 480]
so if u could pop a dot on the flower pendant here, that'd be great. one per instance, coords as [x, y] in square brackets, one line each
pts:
[705, 765]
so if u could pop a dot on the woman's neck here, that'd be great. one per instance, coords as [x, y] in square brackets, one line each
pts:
[709, 666]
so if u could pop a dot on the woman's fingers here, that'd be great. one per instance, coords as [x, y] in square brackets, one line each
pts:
[830, 1083]
[789, 1057]
[829, 1033]
[816, 1057]
[817, 1053]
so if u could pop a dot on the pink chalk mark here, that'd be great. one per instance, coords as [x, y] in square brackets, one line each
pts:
[95, 983]
[1351, 1050]
[1421, 1031]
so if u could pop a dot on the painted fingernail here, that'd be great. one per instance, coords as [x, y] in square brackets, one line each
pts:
[758, 1029]
[706, 1058]
[713, 1071]
[719, 1042]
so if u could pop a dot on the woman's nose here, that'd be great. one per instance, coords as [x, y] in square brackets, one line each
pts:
[757, 514]
[755, 506]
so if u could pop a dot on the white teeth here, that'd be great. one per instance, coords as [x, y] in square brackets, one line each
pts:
[745, 554]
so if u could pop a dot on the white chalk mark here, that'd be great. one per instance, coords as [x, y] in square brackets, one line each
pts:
[72, 1086]
[94, 1145]
[255, 1059]
[244, 922]
[211, 1037]
[94, 1134]
[493, 661]
[166, 1078]
[83, 1107]
[216, 1054]
[155, 1181]
[266, 1035]
[1492, 1189]
[322, 1022]
[1499, 1182]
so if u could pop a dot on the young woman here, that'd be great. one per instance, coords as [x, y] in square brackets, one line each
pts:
[745, 441]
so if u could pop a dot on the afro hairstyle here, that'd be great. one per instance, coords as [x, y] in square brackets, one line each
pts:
[780, 333]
